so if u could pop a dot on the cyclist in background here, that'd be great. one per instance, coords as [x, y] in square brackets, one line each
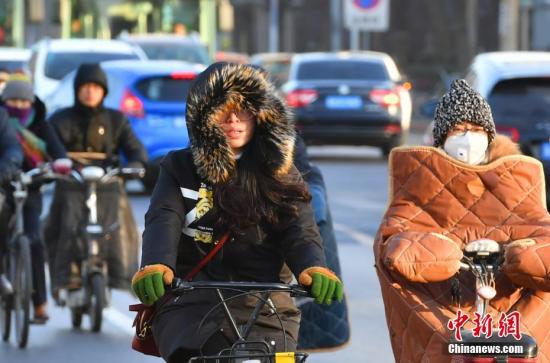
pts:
[89, 126]
[11, 158]
[237, 177]
[26, 114]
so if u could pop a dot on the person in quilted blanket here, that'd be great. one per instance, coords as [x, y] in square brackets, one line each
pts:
[472, 185]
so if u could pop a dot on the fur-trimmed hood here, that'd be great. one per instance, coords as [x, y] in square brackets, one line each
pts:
[224, 86]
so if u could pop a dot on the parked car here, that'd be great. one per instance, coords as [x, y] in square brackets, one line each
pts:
[14, 59]
[52, 59]
[170, 47]
[232, 57]
[517, 87]
[276, 64]
[349, 98]
[152, 95]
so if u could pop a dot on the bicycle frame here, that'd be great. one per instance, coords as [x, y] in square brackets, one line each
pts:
[262, 291]
[19, 260]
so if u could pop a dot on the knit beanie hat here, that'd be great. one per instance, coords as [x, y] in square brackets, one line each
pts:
[18, 86]
[460, 104]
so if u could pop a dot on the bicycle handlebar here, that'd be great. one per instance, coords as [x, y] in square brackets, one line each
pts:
[180, 286]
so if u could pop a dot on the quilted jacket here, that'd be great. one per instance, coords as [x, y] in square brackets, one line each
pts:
[437, 205]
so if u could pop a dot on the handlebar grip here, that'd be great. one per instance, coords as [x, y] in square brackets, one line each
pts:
[133, 172]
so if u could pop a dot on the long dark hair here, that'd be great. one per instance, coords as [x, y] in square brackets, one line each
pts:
[253, 195]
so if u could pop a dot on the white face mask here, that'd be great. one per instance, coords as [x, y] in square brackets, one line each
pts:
[470, 148]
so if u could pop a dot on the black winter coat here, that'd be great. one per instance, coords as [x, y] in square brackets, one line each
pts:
[256, 255]
[104, 130]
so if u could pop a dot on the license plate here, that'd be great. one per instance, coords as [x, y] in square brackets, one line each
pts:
[545, 151]
[343, 102]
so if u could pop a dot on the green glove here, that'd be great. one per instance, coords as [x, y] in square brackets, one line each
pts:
[148, 283]
[325, 285]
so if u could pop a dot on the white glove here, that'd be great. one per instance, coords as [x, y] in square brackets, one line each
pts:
[483, 245]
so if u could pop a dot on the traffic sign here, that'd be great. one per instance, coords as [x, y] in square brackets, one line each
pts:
[369, 15]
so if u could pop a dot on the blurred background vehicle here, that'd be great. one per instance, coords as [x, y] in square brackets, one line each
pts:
[14, 59]
[277, 64]
[52, 59]
[349, 99]
[232, 57]
[170, 47]
[152, 95]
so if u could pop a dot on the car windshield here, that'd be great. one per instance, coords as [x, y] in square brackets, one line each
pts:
[516, 101]
[278, 71]
[59, 64]
[194, 53]
[342, 69]
[164, 89]
[12, 66]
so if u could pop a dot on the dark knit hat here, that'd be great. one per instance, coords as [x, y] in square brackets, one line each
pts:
[19, 86]
[460, 104]
[90, 73]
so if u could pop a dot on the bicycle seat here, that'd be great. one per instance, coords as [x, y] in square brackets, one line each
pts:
[92, 173]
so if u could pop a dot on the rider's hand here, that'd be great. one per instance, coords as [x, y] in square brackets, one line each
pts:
[148, 283]
[325, 285]
[482, 245]
[62, 166]
[7, 171]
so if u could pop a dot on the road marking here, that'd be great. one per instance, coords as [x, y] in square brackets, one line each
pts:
[358, 236]
[119, 319]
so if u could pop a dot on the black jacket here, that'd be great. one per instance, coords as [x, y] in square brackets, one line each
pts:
[45, 131]
[182, 224]
[98, 130]
[10, 150]
[256, 255]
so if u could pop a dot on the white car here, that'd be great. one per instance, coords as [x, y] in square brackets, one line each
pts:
[52, 59]
[14, 59]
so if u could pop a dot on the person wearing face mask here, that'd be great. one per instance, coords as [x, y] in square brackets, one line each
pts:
[473, 186]
[236, 179]
[40, 144]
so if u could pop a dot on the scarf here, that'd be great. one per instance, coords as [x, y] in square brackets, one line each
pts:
[34, 148]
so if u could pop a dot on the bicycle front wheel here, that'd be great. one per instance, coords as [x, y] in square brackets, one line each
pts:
[5, 307]
[22, 289]
[97, 301]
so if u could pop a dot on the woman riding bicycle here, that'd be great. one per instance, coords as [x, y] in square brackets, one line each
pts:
[474, 185]
[40, 144]
[237, 177]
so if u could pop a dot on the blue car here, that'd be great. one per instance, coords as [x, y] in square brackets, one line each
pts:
[152, 95]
